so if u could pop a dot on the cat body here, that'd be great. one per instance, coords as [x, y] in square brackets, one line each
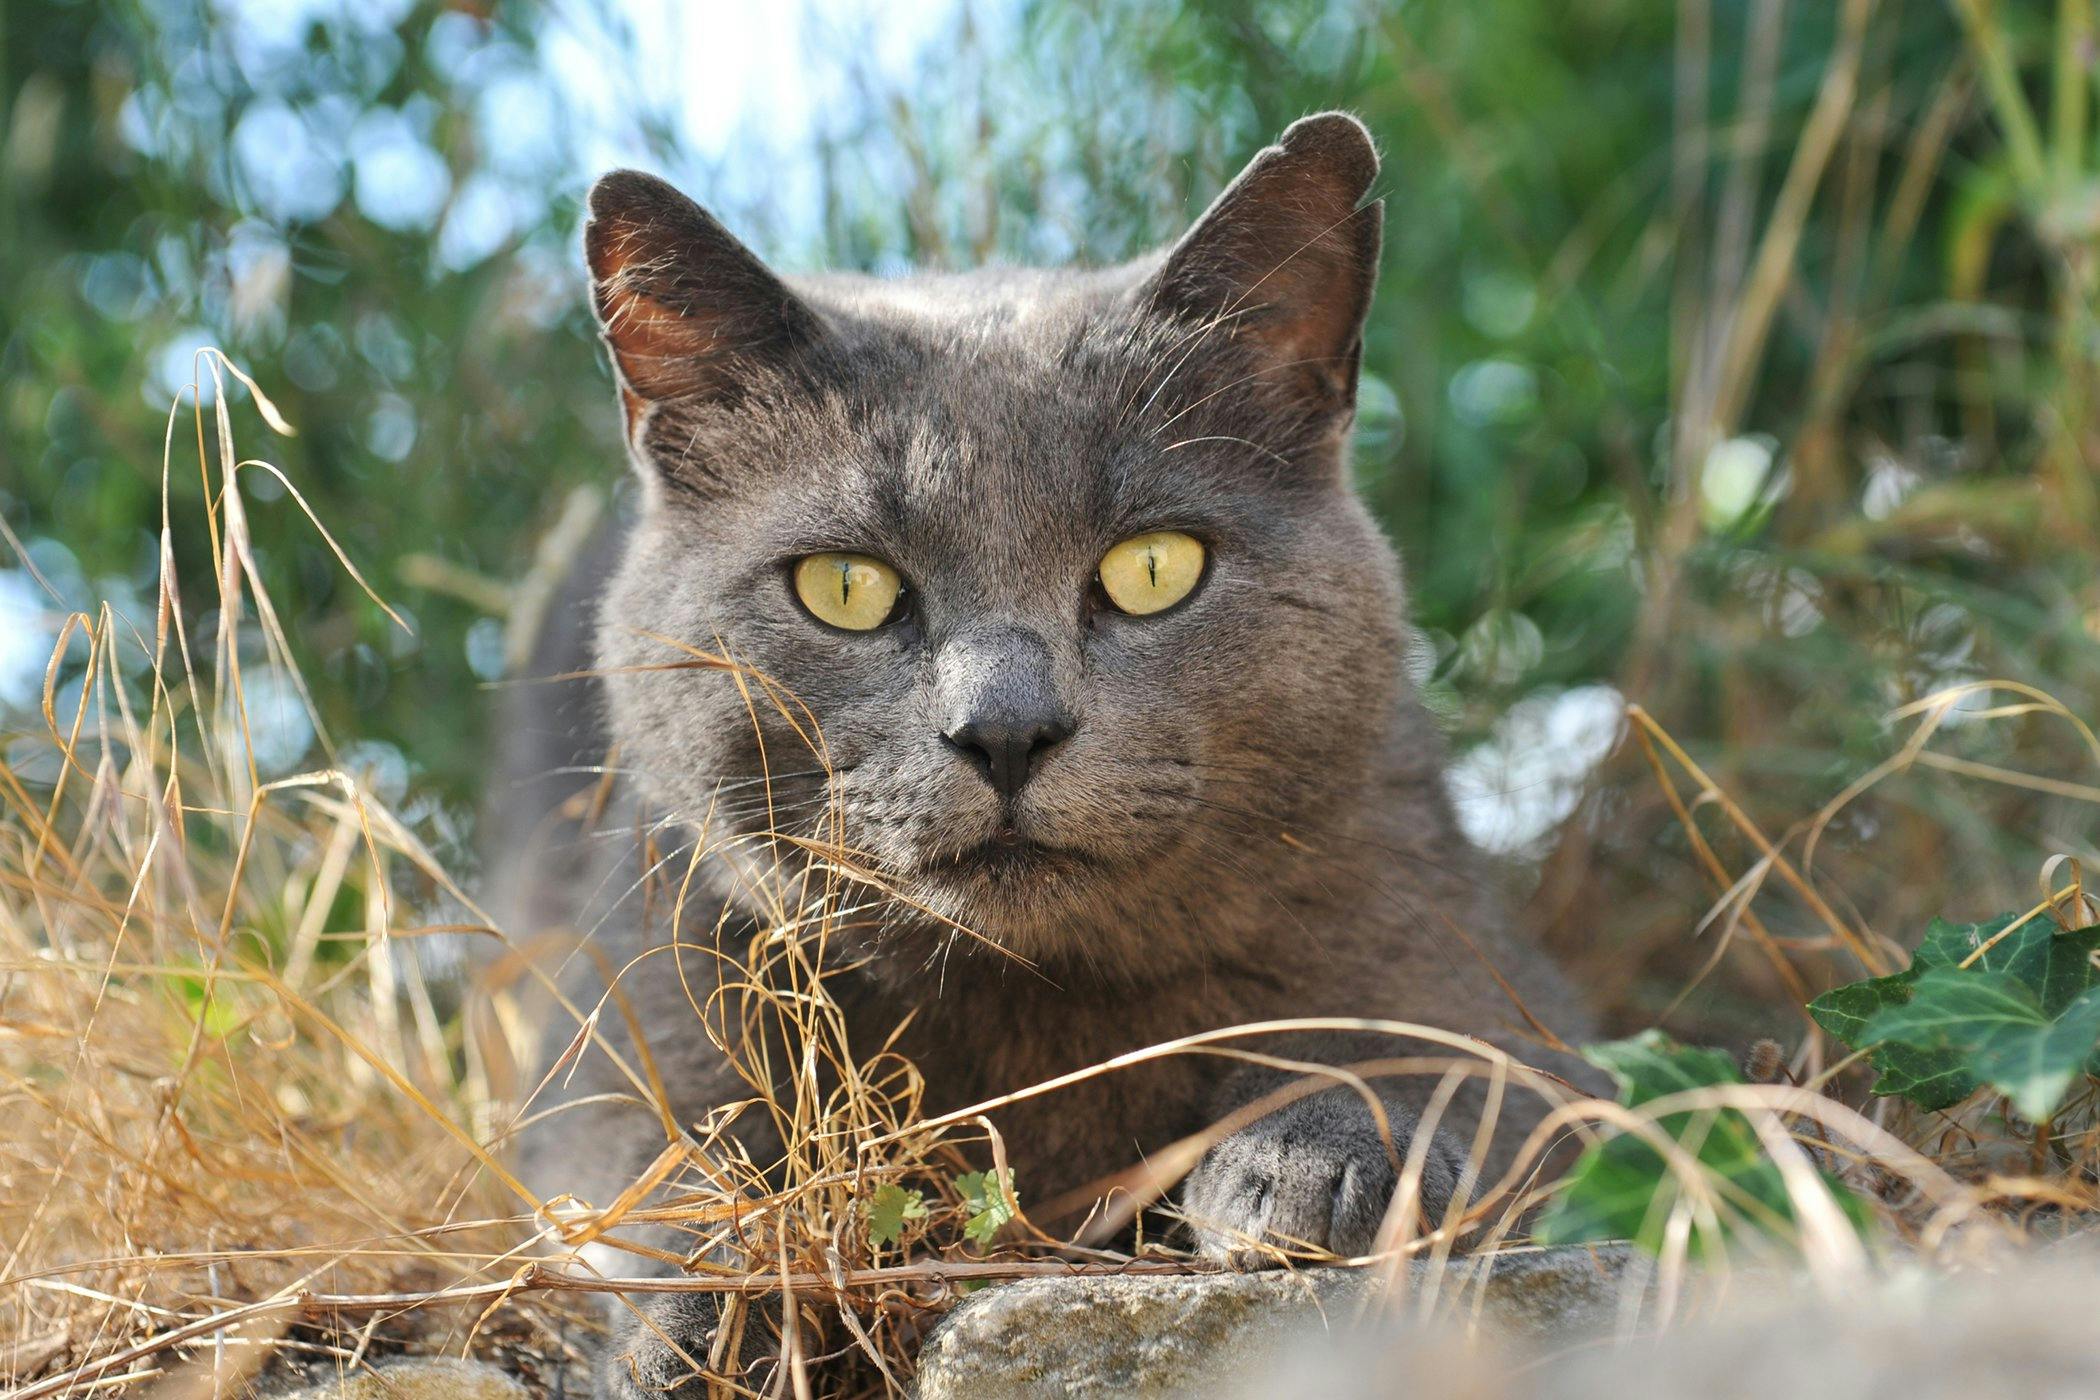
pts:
[1084, 827]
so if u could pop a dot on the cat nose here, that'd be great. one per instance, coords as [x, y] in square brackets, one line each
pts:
[1007, 748]
[1001, 708]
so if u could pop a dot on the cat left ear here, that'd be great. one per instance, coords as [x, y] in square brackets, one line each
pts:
[687, 310]
[1286, 259]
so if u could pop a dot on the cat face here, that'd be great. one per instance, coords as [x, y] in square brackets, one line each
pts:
[1056, 608]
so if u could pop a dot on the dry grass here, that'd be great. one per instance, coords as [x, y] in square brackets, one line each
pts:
[245, 1118]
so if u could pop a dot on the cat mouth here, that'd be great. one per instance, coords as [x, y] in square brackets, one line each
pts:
[1007, 855]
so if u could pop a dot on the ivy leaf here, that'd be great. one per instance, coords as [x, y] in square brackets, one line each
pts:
[2068, 971]
[1951, 1009]
[889, 1208]
[985, 1196]
[2057, 966]
[1651, 1065]
[1934, 1071]
[2050, 962]
[1931, 1079]
[1845, 1011]
[1949, 945]
[1622, 1188]
[1998, 1025]
[2036, 1071]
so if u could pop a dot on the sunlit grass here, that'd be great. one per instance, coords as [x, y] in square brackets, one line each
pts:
[248, 1119]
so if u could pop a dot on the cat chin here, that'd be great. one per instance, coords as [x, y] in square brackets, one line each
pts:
[1020, 900]
[1007, 862]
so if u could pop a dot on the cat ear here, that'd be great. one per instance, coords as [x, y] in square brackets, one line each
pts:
[1286, 259]
[687, 309]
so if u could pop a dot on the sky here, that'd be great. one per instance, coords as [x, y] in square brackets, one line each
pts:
[748, 86]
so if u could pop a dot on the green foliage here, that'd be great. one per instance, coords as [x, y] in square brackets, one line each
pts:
[209, 1002]
[192, 175]
[1930, 1078]
[889, 1208]
[1624, 1188]
[986, 1207]
[986, 1199]
[1892, 491]
[2023, 1017]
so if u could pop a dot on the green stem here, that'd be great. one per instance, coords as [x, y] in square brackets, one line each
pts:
[2022, 137]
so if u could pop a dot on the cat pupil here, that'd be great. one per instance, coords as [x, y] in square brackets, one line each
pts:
[845, 581]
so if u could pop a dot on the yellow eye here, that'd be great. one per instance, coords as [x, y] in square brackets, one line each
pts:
[1151, 573]
[848, 590]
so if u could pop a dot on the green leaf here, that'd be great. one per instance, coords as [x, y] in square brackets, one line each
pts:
[1624, 1189]
[2036, 1070]
[1935, 1071]
[1651, 1065]
[986, 1197]
[210, 1004]
[1931, 1079]
[2068, 971]
[1948, 945]
[889, 1208]
[1999, 1027]
[1845, 1011]
[1951, 1009]
[2056, 965]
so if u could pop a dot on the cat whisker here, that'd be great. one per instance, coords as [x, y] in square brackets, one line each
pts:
[1186, 409]
[1193, 340]
[1227, 437]
[1238, 307]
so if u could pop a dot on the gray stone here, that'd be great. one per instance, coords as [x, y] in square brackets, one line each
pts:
[424, 1378]
[1170, 1335]
[2020, 1327]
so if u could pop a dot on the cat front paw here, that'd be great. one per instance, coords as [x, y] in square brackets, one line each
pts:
[668, 1342]
[1312, 1178]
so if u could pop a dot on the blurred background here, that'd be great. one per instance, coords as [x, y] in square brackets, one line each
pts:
[1734, 358]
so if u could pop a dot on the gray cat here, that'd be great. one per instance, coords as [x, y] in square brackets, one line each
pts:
[1108, 661]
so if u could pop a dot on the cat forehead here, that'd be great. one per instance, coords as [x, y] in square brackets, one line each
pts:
[994, 386]
[983, 477]
[983, 449]
[1022, 410]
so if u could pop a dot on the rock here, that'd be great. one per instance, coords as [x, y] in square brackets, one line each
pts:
[2017, 1325]
[424, 1378]
[2021, 1327]
[1171, 1335]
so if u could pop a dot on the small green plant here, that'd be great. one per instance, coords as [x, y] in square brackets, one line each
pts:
[987, 1204]
[1624, 1188]
[888, 1210]
[2013, 1004]
[990, 1199]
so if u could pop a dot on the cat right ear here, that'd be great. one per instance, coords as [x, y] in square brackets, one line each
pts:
[687, 310]
[1285, 260]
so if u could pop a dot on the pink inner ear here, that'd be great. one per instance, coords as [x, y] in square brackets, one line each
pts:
[1318, 298]
[662, 348]
[1290, 252]
[1300, 280]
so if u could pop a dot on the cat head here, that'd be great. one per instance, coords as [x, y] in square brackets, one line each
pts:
[1064, 568]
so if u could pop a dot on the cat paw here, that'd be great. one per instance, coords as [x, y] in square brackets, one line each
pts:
[1311, 1179]
[665, 1345]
